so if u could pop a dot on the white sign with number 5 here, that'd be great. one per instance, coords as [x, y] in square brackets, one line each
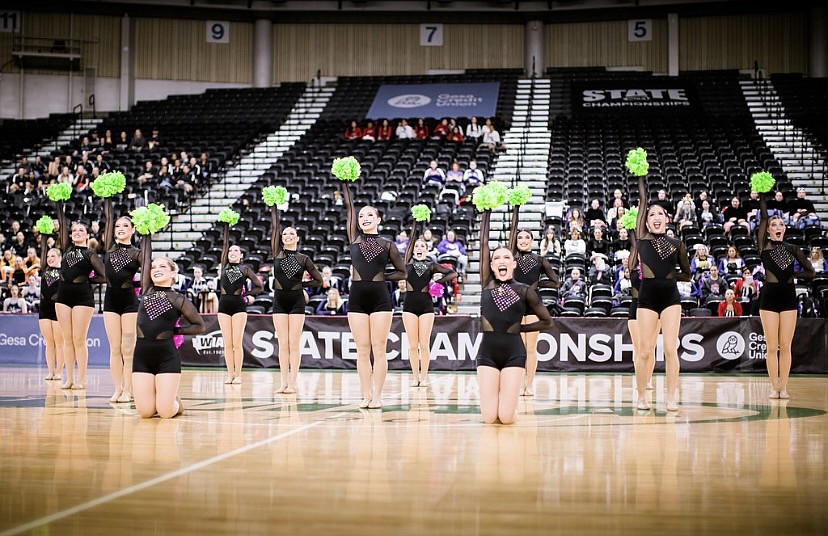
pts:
[640, 30]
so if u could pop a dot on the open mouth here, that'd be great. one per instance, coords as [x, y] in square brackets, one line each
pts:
[501, 270]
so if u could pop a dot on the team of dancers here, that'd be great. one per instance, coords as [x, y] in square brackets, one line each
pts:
[146, 366]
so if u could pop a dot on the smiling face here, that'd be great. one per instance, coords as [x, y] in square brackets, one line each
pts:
[124, 229]
[656, 219]
[80, 234]
[503, 264]
[234, 254]
[369, 220]
[163, 272]
[53, 258]
[289, 236]
[525, 240]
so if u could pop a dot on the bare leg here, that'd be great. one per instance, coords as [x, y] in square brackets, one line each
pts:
[64, 316]
[645, 355]
[770, 325]
[81, 318]
[128, 330]
[143, 388]
[226, 327]
[361, 332]
[488, 380]
[412, 330]
[49, 348]
[530, 341]
[426, 323]
[112, 324]
[787, 327]
[239, 322]
[511, 379]
[297, 323]
[166, 395]
[670, 324]
[281, 324]
[57, 333]
[380, 328]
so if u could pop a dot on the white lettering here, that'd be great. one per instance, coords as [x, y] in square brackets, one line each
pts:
[262, 345]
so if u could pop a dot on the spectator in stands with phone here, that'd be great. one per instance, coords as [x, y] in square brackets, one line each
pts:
[404, 130]
[474, 130]
[384, 131]
[434, 175]
[353, 132]
[154, 141]
[746, 288]
[421, 130]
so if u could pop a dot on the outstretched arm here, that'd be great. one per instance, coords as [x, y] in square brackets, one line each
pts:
[485, 261]
[409, 248]
[63, 228]
[351, 223]
[641, 221]
[109, 226]
[276, 232]
[762, 228]
[513, 232]
[146, 263]
[225, 248]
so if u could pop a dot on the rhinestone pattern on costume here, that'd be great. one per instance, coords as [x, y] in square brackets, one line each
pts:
[234, 274]
[73, 256]
[119, 258]
[290, 266]
[663, 246]
[370, 248]
[782, 257]
[527, 263]
[51, 276]
[504, 297]
[156, 304]
[420, 267]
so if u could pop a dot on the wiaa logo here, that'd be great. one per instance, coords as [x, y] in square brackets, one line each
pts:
[209, 343]
[409, 101]
[730, 345]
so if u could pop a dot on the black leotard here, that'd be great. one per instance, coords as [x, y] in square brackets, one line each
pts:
[419, 273]
[49, 286]
[778, 294]
[76, 265]
[232, 281]
[289, 268]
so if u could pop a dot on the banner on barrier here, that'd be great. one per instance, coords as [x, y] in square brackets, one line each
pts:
[435, 100]
[574, 344]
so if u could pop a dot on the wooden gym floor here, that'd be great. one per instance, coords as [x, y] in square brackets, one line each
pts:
[580, 460]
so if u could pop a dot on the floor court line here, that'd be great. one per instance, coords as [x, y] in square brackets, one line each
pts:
[152, 482]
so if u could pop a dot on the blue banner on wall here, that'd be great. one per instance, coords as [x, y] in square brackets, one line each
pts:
[435, 100]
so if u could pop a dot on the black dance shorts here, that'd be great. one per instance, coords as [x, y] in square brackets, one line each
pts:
[230, 304]
[368, 297]
[75, 294]
[288, 302]
[778, 297]
[634, 309]
[418, 303]
[529, 311]
[120, 301]
[47, 310]
[156, 357]
[658, 294]
[501, 350]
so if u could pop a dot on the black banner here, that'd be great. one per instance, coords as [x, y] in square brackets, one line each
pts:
[574, 344]
[647, 96]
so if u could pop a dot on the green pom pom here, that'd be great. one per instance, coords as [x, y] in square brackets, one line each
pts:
[45, 225]
[109, 184]
[346, 169]
[228, 216]
[149, 219]
[60, 191]
[519, 195]
[761, 182]
[628, 220]
[637, 162]
[274, 195]
[421, 212]
[490, 196]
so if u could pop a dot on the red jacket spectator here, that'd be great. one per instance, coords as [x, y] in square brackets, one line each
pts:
[421, 130]
[384, 131]
[353, 132]
[441, 131]
[737, 308]
[456, 135]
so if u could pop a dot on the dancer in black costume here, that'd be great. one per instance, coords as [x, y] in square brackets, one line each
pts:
[658, 298]
[528, 271]
[47, 315]
[777, 300]
[122, 261]
[289, 268]
[369, 300]
[504, 302]
[418, 308]
[232, 313]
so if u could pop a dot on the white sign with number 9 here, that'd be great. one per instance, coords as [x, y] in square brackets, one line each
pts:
[218, 31]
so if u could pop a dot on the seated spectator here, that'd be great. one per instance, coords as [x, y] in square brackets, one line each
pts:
[802, 211]
[165, 180]
[206, 167]
[713, 286]
[353, 132]
[575, 244]
[735, 215]
[333, 305]
[138, 142]
[688, 290]
[21, 244]
[421, 131]
[107, 142]
[431, 245]
[751, 205]
[662, 201]
[202, 292]
[18, 275]
[623, 285]
[123, 142]
[732, 263]
[598, 244]
[473, 177]
[32, 262]
[622, 243]
[730, 307]
[102, 165]
[53, 169]
[594, 216]
[434, 175]
[402, 240]
[617, 200]
[441, 130]
[615, 213]
[474, 130]
[398, 296]
[600, 273]
[404, 131]
[15, 303]
[7, 263]
[31, 293]
[490, 139]
[16, 181]
[746, 288]
[454, 182]
[778, 206]
[369, 133]
[550, 245]
[574, 219]
[187, 181]
[148, 174]
[384, 131]
[574, 286]
[456, 135]
[154, 141]
[703, 196]
[707, 215]
[817, 260]
[685, 213]
[453, 247]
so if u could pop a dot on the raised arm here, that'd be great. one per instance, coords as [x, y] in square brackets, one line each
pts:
[485, 262]
[544, 318]
[351, 223]
[190, 314]
[398, 274]
[258, 288]
[409, 248]
[146, 263]
[553, 281]
[632, 262]
[63, 227]
[109, 226]
[513, 232]
[641, 221]
[762, 228]
[448, 273]
[225, 248]
[276, 232]
[316, 277]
